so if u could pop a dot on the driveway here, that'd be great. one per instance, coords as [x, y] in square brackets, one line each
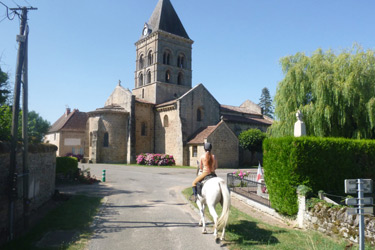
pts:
[144, 209]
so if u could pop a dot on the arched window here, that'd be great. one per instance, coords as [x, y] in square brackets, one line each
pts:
[199, 114]
[150, 58]
[143, 93]
[141, 62]
[166, 121]
[167, 57]
[181, 61]
[143, 129]
[105, 140]
[140, 80]
[149, 76]
[180, 78]
[167, 76]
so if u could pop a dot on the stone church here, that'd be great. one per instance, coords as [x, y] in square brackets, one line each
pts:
[164, 113]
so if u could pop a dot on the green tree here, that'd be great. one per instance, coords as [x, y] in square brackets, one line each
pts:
[265, 102]
[335, 93]
[37, 126]
[252, 140]
[4, 88]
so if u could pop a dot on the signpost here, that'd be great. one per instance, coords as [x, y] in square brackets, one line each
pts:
[361, 186]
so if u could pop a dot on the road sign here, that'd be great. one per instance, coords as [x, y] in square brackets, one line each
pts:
[351, 186]
[365, 210]
[355, 201]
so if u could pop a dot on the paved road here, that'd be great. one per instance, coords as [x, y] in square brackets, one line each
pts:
[144, 209]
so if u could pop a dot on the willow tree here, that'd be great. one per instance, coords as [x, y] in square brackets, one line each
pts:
[335, 93]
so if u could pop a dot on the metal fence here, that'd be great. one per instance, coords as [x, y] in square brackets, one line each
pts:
[249, 188]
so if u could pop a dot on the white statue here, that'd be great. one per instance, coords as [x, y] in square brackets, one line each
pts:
[299, 126]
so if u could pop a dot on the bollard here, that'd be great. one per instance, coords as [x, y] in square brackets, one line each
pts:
[103, 176]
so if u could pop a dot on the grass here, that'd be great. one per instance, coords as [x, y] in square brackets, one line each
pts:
[75, 214]
[246, 232]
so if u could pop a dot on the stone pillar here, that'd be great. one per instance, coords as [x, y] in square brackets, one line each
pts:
[301, 210]
[299, 126]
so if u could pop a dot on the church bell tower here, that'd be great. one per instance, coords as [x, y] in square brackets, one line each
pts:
[163, 65]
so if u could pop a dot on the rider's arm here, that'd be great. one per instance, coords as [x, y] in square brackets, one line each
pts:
[215, 166]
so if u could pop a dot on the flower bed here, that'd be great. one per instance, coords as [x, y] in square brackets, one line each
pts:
[155, 159]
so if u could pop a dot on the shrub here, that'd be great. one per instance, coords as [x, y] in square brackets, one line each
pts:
[319, 163]
[241, 174]
[67, 166]
[155, 159]
[78, 156]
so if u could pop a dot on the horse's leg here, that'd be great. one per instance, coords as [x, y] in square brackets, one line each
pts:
[222, 234]
[202, 222]
[213, 213]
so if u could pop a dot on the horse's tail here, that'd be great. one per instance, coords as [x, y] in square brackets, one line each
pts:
[222, 221]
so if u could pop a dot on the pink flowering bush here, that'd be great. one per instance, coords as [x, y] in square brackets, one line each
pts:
[241, 174]
[155, 159]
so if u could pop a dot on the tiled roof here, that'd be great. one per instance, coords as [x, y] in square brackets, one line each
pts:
[108, 109]
[75, 120]
[228, 108]
[245, 119]
[165, 18]
[143, 101]
[201, 134]
[166, 103]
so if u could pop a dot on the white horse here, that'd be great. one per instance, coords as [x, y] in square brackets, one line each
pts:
[215, 190]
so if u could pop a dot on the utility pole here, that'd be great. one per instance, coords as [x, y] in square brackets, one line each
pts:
[13, 175]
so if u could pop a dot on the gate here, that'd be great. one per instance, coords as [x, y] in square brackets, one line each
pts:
[250, 189]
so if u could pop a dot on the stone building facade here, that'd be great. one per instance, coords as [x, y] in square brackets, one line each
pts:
[163, 113]
[68, 133]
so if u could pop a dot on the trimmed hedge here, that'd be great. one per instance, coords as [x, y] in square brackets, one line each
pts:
[319, 163]
[68, 166]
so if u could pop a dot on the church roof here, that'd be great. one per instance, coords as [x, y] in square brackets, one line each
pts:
[243, 115]
[248, 120]
[75, 120]
[201, 134]
[112, 108]
[165, 18]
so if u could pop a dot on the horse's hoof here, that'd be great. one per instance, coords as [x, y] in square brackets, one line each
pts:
[204, 231]
[217, 240]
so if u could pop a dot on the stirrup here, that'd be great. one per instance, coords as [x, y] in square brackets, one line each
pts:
[193, 198]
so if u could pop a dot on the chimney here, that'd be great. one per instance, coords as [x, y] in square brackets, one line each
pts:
[67, 112]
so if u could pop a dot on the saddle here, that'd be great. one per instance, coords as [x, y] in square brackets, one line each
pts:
[202, 182]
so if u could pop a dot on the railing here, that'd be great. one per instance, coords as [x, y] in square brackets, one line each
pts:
[248, 188]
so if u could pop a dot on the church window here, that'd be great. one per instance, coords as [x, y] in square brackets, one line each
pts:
[181, 61]
[141, 62]
[105, 140]
[143, 93]
[166, 121]
[167, 57]
[140, 80]
[167, 76]
[149, 76]
[150, 58]
[180, 78]
[143, 129]
[195, 151]
[199, 114]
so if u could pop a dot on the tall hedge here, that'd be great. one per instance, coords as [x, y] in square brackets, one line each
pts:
[320, 163]
[67, 166]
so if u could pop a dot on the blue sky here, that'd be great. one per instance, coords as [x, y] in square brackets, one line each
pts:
[78, 50]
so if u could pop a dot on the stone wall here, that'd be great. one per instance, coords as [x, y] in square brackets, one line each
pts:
[144, 116]
[168, 133]
[224, 146]
[42, 167]
[334, 221]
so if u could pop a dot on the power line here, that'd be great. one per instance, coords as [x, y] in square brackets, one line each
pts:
[7, 12]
